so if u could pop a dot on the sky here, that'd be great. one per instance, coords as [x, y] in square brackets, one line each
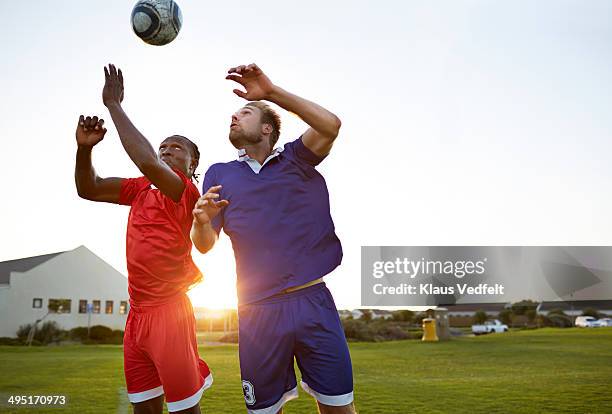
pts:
[464, 122]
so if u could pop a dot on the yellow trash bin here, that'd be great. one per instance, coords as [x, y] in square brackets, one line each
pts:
[429, 330]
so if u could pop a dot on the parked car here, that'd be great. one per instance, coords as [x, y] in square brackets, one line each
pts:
[604, 322]
[489, 327]
[586, 322]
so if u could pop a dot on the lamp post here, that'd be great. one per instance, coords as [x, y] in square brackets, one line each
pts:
[89, 312]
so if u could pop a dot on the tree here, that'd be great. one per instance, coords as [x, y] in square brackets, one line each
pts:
[366, 315]
[591, 312]
[519, 308]
[531, 315]
[505, 316]
[403, 315]
[560, 321]
[418, 319]
[47, 333]
[480, 317]
[556, 311]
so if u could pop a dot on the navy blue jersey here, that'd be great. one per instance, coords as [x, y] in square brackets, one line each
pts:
[278, 220]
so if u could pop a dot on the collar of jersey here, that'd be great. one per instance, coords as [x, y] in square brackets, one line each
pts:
[253, 163]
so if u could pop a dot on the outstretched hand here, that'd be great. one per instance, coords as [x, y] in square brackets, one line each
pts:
[90, 131]
[113, 86]
[206, 207]
[258, 86]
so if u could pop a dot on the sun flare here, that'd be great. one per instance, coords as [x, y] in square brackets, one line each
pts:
[218, 289]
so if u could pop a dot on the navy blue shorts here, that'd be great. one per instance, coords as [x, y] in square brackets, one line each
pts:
[303, 325]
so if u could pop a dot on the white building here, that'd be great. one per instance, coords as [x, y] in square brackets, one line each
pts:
[66, 281]
[358, 313]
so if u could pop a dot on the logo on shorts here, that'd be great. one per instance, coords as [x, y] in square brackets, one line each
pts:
[249, 392]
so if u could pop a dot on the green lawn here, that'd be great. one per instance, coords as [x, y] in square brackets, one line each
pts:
[539, 371]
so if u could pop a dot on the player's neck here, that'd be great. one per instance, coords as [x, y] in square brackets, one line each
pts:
[259, 151]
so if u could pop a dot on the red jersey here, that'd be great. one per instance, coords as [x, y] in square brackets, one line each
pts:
[158, 245]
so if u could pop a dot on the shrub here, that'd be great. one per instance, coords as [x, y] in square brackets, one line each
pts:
[415, 334]
[480, 317]
[366, 315]
[541, 320]
[560, 321]
[100, 333]
[591, 312]
[230, 338]
[418, 319]
[403, 315]
[555, 320]
[556, 311]
[357, 330]
[23, 332]
[519, 308]
[78, 334]
[48, 333]
[530, 314]
[10, 341]
[116, 338]
[387, 331]
[505, 316]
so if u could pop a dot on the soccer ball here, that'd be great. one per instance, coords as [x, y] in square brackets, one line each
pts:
[157, 22]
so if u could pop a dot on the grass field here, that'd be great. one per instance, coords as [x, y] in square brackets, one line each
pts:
[539, 371]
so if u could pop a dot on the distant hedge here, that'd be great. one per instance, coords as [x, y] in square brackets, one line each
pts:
[558, 320]
[98, 334]
[374, 331]
[230, 338]
[50, 332]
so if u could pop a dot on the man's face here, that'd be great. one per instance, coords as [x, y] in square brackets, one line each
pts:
[246, 127]
[176, 153]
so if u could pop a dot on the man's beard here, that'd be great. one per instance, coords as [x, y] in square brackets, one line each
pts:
[240, 138]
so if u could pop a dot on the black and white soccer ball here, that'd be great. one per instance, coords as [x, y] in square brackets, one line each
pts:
[157, 22]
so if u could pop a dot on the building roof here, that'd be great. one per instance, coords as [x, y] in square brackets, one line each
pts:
[22, 265]
[544, 306]
[381, 312]
[576, 305]
[474, 307]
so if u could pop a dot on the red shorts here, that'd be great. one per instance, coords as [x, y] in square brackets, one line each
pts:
[160, 355]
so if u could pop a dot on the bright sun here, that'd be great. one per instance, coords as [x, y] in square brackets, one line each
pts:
[218, 290]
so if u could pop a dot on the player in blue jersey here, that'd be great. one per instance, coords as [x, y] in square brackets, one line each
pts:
[274, 205]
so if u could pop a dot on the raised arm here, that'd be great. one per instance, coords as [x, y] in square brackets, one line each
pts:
[203, 234]
[324, 125]
[90, 131]
[135, 144]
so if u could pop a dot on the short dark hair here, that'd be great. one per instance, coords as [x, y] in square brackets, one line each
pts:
[195, 152]
[268, 116]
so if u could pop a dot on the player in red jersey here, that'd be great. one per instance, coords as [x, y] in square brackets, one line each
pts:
[160, 348]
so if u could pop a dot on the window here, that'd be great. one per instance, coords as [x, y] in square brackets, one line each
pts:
[37, 303]
[96, 306]
[59, 305]
[82, 306]
[123, 307]
[109, 306]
